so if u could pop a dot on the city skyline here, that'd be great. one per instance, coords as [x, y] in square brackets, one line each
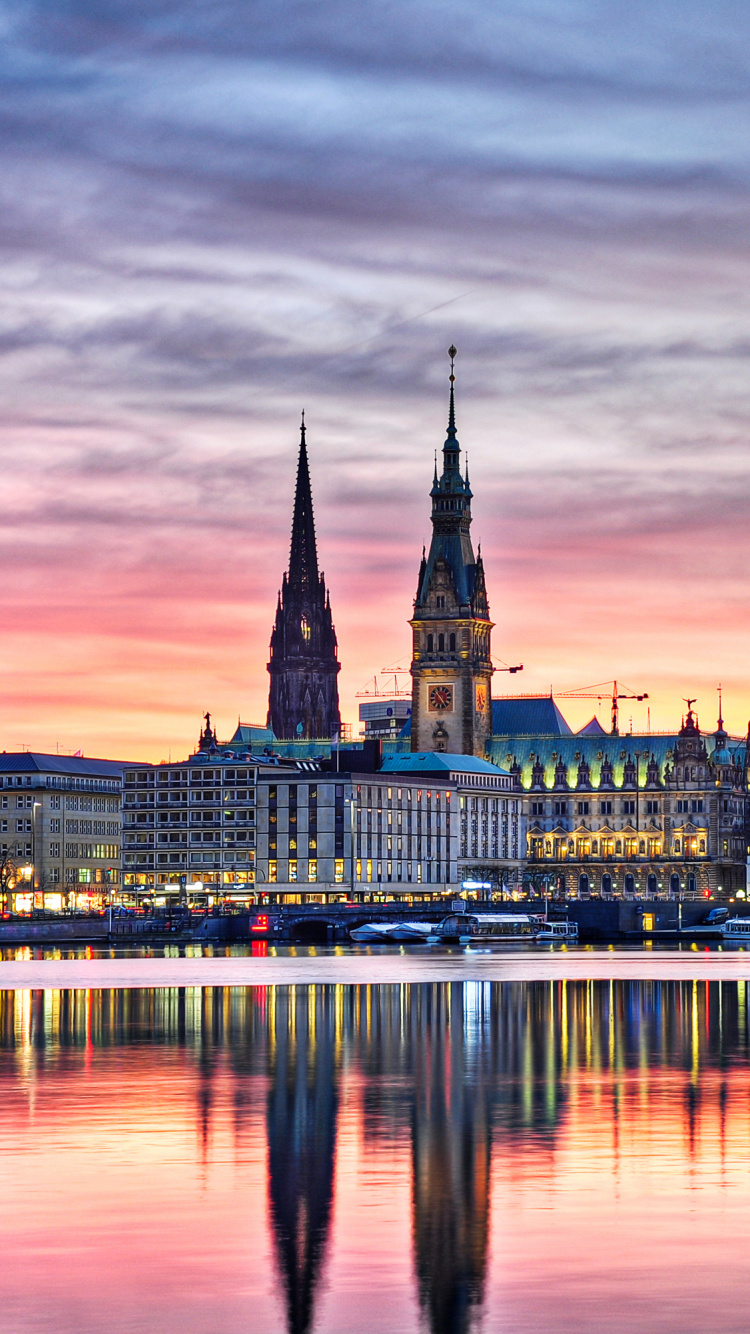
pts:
[208, 228]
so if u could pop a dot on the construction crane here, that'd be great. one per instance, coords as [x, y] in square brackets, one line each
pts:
[506, 668]
[592, 692]
[372, 691]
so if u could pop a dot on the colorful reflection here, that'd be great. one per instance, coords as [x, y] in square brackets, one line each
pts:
[566, 1156]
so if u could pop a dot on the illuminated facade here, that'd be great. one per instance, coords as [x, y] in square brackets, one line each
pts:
[60, 831]
[649, 815]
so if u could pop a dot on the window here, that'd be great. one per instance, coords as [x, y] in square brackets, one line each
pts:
[441, 643]
[452, 643]
[272, 872]
[560, 808]
[429, 643]
[652, 808]
[293, 870]
[605, 807]
[696, 807]
[628, 808]
[537, 807]
[339, 872]
[312, 870]
[583, 808]
[440, 601]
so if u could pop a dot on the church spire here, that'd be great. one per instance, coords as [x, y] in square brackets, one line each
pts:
[303, 697]
[303, 556]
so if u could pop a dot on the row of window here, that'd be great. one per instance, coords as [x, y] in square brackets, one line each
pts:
[178, 777]
[627, 807]
[95, 851]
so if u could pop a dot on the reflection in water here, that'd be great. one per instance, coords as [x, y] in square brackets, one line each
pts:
[516, 1118]
[451, 1137]
[302, 1105]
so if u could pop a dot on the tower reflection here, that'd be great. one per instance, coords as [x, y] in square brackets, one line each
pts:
[451, 1155]
[302, 1110]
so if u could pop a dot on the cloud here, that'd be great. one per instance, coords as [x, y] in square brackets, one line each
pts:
[212, 216]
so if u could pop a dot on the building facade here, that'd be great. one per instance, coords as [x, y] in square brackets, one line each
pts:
[189, 829]
[303, 697]
[634, 815]
[60, 831]
[451, 666]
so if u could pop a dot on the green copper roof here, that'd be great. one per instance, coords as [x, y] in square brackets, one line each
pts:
[436, 762]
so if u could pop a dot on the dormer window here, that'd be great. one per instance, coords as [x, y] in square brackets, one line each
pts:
[440, 601]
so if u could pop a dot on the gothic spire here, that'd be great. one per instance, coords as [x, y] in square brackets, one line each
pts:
[451, 448]
[303, 557]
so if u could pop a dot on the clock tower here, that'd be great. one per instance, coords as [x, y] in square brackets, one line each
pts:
[451, 667]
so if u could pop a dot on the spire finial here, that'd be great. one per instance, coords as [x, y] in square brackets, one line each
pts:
[721, 720]
[302, 425]
[451, 411]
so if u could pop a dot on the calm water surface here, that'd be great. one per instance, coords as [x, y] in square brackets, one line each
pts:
[551, 1156]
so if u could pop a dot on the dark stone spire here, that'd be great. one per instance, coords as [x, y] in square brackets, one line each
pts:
[303, 698]
[303, 556]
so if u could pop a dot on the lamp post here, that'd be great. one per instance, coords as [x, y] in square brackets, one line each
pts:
[36, 805]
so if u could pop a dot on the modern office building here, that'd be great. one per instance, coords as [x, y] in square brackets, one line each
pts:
[60, 831]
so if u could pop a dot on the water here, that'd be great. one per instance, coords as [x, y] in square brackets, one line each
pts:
[549, 1156]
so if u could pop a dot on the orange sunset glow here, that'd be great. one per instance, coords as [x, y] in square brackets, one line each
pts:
[207, 229]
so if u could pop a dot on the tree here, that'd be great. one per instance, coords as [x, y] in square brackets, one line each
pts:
[8, 876]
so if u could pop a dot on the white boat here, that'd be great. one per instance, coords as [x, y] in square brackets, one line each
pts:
[567, 931]
[384, 933]
[487, 928]
[736, 928]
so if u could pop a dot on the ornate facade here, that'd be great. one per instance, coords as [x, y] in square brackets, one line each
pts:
[451, 666]
[303, 698]
[651, 815]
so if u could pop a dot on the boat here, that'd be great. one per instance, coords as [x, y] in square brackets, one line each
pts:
[487, 928]
[566, 931]
[386, 933]
[736, 928]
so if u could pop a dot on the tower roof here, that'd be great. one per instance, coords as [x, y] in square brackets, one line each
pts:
[303, 556]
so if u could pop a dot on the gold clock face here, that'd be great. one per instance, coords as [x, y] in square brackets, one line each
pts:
[481, 698]
[440, 698]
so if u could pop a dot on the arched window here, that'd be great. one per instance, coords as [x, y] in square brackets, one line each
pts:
[429, 643]
[674, 883]
[441, 643]
[453, 643]
[629, 884]
[691, 883]
[583, 886]
[652, 886]
[606, 884]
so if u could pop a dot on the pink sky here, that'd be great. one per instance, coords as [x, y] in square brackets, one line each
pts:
[205, 230]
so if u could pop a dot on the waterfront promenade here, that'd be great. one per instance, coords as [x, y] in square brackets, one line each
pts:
[351, 968]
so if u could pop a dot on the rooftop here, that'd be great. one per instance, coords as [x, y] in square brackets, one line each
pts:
[437, 762]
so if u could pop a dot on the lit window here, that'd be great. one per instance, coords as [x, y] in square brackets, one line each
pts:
[338, 873]
[293, 870]
[272, 872]
[312, 870]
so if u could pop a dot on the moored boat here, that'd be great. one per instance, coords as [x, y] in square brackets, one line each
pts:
[385, 933]
[736, 928]
[487, 928]
[566, 931]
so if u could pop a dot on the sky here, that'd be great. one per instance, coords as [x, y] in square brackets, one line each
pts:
[214, 216]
